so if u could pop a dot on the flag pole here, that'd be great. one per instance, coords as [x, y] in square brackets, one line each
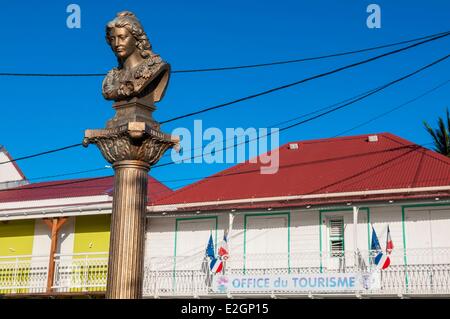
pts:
[224, 261]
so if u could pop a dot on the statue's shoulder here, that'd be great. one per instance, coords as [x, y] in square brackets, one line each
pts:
[149, 67]
[156, 58]
[111, 79]
[113, 73]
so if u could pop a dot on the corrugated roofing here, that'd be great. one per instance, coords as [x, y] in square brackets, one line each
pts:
[333, 165]
[76, 188]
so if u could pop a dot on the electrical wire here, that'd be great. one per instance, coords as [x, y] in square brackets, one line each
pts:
[42, 153]
[317, 76]
[268, 134]
[441, 35]
[328, 111]
[275, 125]
[238, 67]
[394, 108]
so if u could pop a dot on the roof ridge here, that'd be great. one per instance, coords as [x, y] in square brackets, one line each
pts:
[336, 138]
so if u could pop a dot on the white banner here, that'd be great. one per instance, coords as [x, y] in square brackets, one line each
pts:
[297, 282]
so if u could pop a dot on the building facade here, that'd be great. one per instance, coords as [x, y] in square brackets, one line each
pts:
[306, 231]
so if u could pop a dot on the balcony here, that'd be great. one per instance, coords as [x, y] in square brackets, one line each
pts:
[414, 272]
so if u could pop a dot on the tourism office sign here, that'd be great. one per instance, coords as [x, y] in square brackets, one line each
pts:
[339, 282]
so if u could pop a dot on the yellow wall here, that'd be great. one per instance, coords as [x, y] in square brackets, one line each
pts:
[92, 234]
[16, 237]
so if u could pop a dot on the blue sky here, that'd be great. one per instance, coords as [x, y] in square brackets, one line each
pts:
[38, 114]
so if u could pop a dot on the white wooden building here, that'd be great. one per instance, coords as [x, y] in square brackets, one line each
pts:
[314, 217]
[309, 225]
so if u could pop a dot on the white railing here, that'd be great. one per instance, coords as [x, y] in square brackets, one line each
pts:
[418, 272]
[23, 274]
[80, 272]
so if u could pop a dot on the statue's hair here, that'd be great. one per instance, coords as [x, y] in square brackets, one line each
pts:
[128, 20]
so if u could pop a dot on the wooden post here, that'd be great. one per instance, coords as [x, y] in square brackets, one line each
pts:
[55, 224]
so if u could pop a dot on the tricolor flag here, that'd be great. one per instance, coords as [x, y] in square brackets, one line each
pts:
[381, 260]
[223, 249]
[216, 265]
[389, 242]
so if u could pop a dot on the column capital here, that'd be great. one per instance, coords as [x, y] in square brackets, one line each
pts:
[134, 141]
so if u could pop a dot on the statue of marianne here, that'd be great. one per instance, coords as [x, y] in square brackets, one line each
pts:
[140, 72]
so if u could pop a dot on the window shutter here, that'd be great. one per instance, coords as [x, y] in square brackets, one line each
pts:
[336, 229]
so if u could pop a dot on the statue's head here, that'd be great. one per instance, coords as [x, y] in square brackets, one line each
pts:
[125, 35]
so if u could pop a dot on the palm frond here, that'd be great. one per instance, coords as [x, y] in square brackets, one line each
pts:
[440, 135]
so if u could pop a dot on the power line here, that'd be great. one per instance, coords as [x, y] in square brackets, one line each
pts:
[254, 170]
[237, 67]
[68, 174]
[409, 146]
[304, 80]
[358, 98]
[292, 119]
[57, 185]
[272, 90]
[394, 108]
[308, 58]
[286, 121]
[369, 93]
[42, 153]
[441, 35]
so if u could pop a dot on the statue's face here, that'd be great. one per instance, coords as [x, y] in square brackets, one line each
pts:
[122, 42]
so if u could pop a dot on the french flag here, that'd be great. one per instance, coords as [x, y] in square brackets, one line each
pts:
[381, 260]
[216, 265]
[223, 249]
[389, 242]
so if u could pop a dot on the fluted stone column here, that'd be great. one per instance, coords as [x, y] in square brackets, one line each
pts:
[132, 148]
[126, 249]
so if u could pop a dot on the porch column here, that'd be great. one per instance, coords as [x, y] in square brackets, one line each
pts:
[355, 234]
[55, 225]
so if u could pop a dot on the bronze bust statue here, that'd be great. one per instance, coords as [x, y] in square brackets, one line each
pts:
[141, 74]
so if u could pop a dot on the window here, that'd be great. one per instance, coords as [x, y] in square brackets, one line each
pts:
[266, 243]
[336, 235]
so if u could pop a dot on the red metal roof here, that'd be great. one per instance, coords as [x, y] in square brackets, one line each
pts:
[334, 165]
[75, 188]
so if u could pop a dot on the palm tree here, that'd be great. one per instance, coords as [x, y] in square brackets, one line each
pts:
[441, 135]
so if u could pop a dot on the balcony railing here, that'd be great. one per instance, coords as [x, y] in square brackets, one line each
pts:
[411, 272]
